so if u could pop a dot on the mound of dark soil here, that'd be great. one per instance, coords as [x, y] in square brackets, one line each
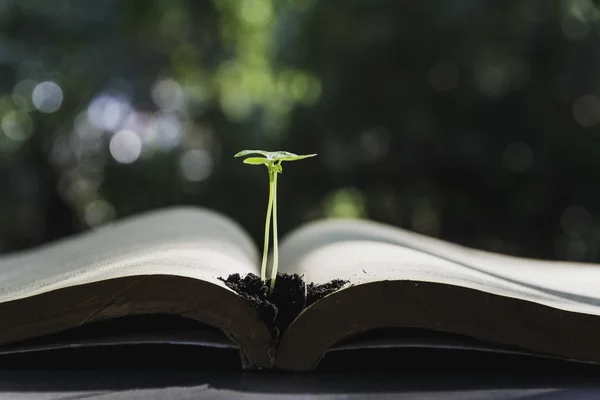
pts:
[290, 296]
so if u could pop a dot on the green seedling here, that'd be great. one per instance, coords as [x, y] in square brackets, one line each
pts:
[272, 160]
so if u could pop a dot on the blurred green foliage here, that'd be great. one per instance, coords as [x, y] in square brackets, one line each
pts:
[474, 121]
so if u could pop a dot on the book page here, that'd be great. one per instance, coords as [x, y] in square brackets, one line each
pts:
[363, 251]
[183, 241]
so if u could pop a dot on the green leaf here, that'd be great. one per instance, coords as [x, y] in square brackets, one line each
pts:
[271, 157]
[295, 157]
[286, 156]
[277, 155]
[257, 161]
[274, 155]
[247, 152]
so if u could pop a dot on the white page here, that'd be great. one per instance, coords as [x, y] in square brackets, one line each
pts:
[364, 251]
[182, 241]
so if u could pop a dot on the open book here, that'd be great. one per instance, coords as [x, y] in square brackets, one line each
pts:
[168, 263]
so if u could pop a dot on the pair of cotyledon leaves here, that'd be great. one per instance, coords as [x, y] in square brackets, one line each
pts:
[271, 159]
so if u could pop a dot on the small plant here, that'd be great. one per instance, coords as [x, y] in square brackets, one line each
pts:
[272, 160]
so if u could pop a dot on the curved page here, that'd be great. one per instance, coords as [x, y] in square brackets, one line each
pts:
[405, 280]
[163, 262]
[364, 251]
[186, 242]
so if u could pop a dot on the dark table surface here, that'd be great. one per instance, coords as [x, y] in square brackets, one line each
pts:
[180, 373]
[187, 384]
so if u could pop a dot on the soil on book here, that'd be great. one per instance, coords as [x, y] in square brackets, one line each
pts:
[290, 296]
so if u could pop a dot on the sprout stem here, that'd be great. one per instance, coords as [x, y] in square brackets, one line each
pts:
[263, 267]
[275, 246]
[272, 160]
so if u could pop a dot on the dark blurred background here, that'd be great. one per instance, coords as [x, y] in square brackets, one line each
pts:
[473, 121]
